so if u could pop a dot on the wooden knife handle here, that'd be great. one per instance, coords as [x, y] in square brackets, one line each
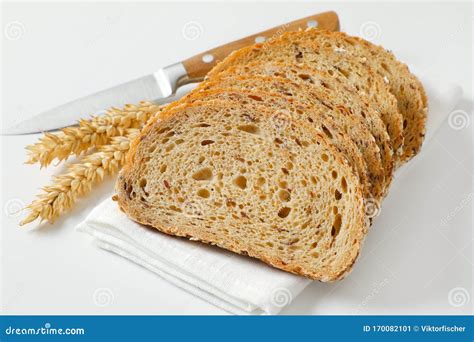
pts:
[199, 65]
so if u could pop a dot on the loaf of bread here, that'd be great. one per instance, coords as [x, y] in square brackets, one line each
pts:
[278, 152]
[237, 176]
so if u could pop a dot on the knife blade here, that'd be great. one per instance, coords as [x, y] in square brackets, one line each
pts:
[161, 85]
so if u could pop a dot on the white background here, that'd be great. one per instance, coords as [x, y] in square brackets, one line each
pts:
[419, 249]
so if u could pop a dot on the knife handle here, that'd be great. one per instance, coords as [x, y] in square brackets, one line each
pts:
[198, 66]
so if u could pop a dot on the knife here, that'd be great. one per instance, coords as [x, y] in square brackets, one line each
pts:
[161, 85]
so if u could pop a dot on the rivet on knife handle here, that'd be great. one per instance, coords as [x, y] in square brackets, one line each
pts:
[198, 66]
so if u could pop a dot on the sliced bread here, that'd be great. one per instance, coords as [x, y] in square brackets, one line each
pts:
[284, 107]
[405, 86]
[341, 93]
[355, 72]
[407, 89]
[212, 171]
[353, 126]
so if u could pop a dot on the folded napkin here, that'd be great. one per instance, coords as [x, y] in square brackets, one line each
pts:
[235, 283]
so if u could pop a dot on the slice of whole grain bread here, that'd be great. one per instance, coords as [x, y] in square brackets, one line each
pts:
[283, 107]
[354, 126]
[404, 85]
[407, 89]
[341, 93]
[213, 171]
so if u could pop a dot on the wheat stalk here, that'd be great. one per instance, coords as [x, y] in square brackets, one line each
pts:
[79, 179]
[90, 133]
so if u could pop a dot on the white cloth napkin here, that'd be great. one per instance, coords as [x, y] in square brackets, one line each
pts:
[235, 283]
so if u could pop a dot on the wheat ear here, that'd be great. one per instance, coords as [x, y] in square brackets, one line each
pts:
[79, 179]
[90, 133]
